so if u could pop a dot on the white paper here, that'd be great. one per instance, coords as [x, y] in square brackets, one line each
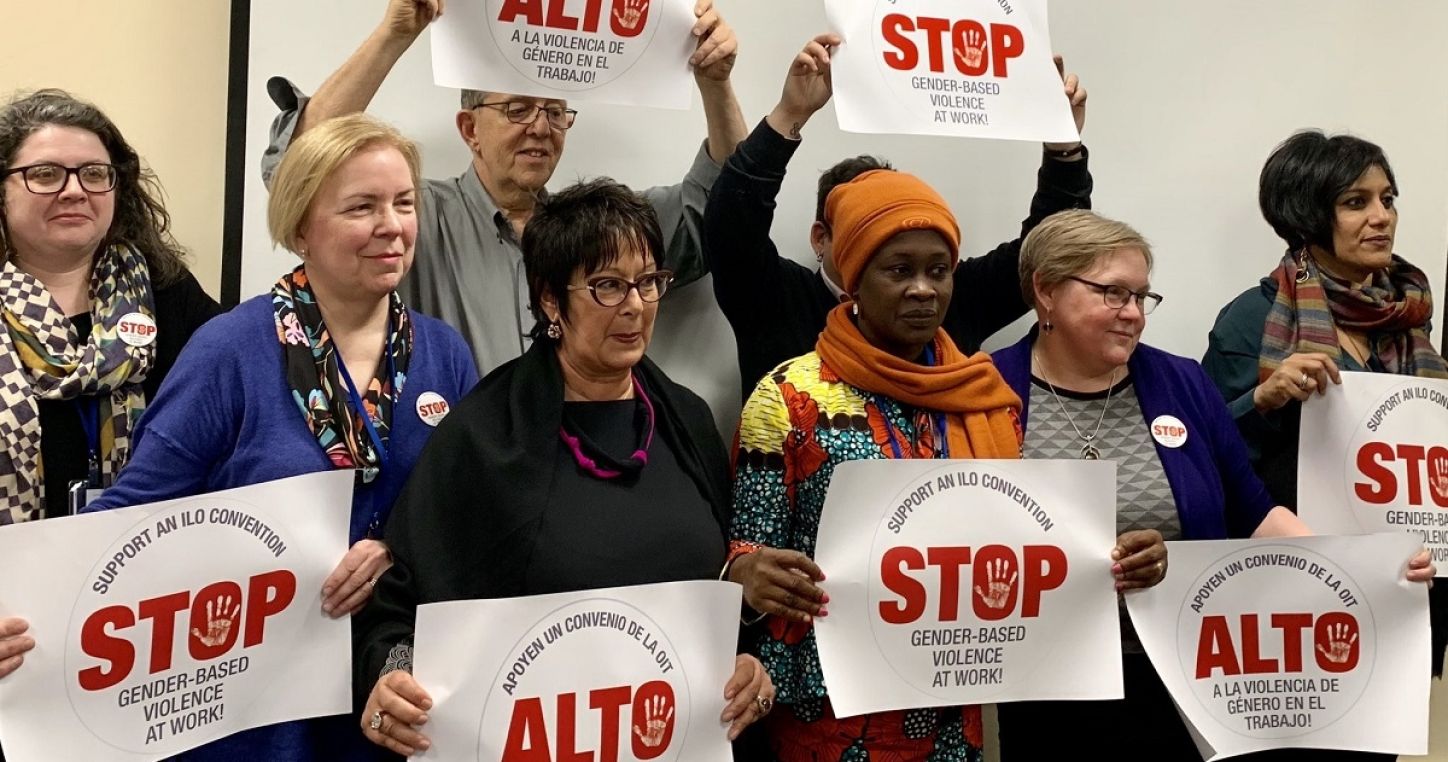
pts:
[1373, 457]
[627, 52]
[964, 68]
[1312, 642]
[627, 673]
[911, 549]
[193, 589]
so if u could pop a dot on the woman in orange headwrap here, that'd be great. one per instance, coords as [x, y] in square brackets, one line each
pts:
[883, 382]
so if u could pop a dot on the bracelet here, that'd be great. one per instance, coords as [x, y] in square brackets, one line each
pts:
[738, 549]
[1066, 153]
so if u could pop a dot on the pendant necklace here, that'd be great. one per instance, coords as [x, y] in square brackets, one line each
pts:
[1089, 451]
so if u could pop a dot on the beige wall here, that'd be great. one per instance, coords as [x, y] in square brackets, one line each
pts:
[158, 69]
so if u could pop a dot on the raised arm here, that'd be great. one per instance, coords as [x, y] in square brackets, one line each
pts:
[351, 87]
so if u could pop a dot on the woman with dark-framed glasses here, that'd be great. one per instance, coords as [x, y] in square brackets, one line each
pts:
[1090, 389]
[97, 305]
[579, 465]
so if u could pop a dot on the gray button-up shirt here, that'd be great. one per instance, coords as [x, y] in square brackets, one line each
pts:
[468, 269]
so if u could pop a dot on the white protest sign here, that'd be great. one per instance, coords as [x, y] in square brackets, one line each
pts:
[626, 673]
[1373, 457]
[968, 581]
[629, 52]
[1311, 642]
[964, 68]
[162, 627]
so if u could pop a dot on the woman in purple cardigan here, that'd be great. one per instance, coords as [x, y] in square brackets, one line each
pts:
[1089, 389]
[326, 370]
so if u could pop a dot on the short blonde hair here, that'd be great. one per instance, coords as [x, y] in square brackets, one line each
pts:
[1069, 243]
[313, 157]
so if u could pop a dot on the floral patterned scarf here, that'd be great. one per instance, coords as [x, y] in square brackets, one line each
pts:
[314, 373]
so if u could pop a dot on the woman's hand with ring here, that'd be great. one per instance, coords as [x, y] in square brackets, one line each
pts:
[394, 710]
[1140, 559]
[1296, 379]
[750, 694]
[350, 585]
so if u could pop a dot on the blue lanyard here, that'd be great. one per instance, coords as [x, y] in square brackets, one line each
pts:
[942, 446]
[89, 410]
[382, 448]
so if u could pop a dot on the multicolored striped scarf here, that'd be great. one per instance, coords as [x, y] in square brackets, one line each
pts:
[1394, 310]
[42, 358]
[314, 375]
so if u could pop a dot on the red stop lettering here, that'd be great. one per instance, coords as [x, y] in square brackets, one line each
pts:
[649, 726]
[1421, 464]
[623, 20]
[970, 46]
[218, 613]
[998, 581]
[1334, 644]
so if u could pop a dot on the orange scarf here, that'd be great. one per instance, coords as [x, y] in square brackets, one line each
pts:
[985, 420]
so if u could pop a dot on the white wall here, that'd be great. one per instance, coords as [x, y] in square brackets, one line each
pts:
[1187, 99]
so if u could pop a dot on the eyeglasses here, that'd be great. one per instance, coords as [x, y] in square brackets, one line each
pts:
[523, 112]
[610, 291]
[1117, 296]
[48, 179]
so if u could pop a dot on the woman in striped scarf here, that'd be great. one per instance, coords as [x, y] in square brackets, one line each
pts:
[1339, 299]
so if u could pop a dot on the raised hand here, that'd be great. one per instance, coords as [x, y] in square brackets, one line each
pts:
[220, 614]
[807, 87]
[998, 587]
[717, 49]
[407, 18]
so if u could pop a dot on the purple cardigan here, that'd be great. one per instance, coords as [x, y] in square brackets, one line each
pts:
[1217, 494]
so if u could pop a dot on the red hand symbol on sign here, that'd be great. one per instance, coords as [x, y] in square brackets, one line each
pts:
[1438, 477]
[633, 13]
[1339, 645]
[655, 722]
[974, 50]
[218, 621]
[998, 586]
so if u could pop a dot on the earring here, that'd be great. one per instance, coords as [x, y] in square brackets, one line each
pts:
[1046, 325]
[555, 332]
[855, 309]
[1302, 272]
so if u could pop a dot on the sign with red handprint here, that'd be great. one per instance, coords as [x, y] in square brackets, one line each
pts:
[967, 68]
[963, 582]
[1373, 457]
[631, 673]
[628, 52]
[162, 627]
[1312, 642]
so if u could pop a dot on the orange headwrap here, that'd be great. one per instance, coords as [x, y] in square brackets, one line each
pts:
[869, 210]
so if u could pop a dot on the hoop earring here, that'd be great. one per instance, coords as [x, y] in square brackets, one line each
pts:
[555, 332]
[1302, 272]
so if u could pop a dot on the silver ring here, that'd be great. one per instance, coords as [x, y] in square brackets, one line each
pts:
[372, 583]
[1161, 567]
[765, 704]
[1302, 383]
[376, 722]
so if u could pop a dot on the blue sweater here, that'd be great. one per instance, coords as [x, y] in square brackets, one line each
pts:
[225, 418]
[1217, 494]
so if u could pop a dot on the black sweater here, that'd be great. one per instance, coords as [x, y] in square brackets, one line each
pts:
[777, 307]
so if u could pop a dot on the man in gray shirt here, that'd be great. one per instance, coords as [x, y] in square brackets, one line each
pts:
[469, 268]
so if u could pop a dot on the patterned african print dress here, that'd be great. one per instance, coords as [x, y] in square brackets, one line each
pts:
[800, 422]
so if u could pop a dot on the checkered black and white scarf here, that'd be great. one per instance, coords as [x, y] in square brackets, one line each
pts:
[42, 358]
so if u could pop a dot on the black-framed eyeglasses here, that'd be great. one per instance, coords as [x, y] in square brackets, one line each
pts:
[524, 112]
[48, 179]
[611, 290]
[1117, 296]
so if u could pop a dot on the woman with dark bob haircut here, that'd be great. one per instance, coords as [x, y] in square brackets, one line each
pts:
[1340, 299]
[577, 466]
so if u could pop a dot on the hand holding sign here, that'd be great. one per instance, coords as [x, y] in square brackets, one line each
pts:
[781, 582]
[1076, 95]
[1420, 569]
[747, 692]
[394, 710]
[1140, 559]
[1296, 379]
[714, 58]
[13, 644]
[351, 583]
[807, 87]
[407, 18]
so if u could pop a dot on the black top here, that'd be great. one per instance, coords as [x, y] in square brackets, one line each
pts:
[483, 501]
[777, 307]
[181, 308]
[596, 532]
